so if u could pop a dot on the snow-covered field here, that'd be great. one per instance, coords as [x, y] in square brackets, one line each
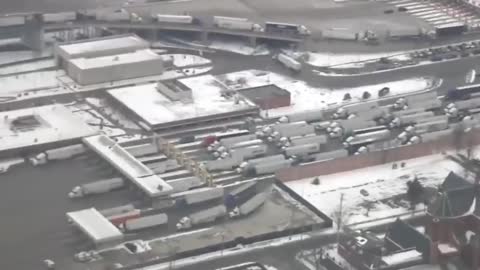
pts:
[305, 97]
[381, 182]
[16, 84]
[186, 60]
[41, 64]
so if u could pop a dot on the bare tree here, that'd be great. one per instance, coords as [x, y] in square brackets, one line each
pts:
[340, 217]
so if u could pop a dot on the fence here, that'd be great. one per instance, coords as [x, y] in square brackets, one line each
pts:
[444, 143]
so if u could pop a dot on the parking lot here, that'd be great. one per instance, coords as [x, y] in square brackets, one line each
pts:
[438, 13]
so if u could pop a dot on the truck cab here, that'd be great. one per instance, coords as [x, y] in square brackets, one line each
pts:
[184, 223]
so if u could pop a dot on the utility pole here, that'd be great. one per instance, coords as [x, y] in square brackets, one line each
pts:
[340, 218]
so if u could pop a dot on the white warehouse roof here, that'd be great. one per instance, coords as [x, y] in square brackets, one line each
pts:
[116, 60]
[129, 166]
[102, 46]
[96, 226]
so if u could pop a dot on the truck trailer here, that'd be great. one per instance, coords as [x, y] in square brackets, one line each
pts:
[144, 222]
[249, 206]
[181, 19]
[98, 187]
[289, 62]
[202, 217]
[202, 194]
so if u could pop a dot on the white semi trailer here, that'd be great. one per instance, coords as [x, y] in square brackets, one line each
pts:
[97, 187]
[144, 222]
[202, 217]
[249, 206]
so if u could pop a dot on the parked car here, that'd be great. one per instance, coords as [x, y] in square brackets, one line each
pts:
[402, 9]
[186, 139]
[450, 56]
[465, 54]
[388, 11]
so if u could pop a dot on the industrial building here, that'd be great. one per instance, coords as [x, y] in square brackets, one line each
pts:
[159, 109]
[40, 128]
[267, 96]
[108, 59]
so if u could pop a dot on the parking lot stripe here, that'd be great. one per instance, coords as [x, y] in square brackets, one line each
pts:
[437, 23]
[416, 11]
[417, 6]
[401, 1]
[424, 13]
[407, 5]
[438, 19]
[434, 15]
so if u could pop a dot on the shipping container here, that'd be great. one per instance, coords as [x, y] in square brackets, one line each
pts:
[249, 206]
[330, 155]
[202, 217]
[6, 21]
[340, 34]
[235, 23]
[98, 187]
[289, 62]
[65, 152]
[250, 151]
[350, 125]
[144, 222]
[227, 142]
[117, 210]
[319, 139]
[310, 115]
[271, 167]
[59, 17]
[121, 218]
[183, 19]
[184, 184]
[202, 194]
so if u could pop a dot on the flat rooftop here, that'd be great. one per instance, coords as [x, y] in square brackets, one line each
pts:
[262, 92]
[95, 225]
[40, 125]
[97, 46]
[128, 165]
[116, 60]
[158, 111]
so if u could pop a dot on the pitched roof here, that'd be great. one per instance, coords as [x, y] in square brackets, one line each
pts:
[402, 235]
[453, 182]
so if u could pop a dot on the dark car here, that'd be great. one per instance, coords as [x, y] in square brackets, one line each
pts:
[388, 11]
[384, 91]
[465, 54]
[436, 58]
[187, 139]
[477, 51]
[402, 9]
[450, 56]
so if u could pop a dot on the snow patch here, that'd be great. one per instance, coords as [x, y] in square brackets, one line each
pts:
[186, 60]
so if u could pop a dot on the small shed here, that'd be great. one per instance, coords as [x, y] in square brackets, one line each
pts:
[267, 96]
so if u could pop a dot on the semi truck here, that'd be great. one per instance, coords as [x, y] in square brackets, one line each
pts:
[340, 34]
[123, 217]
[97, 187]
[117, 210]
[409, 119]
[182, 19]
[330, 155]
[269, 167]
[222, 164]
[405, 33]
[452, 29]
[221, 135]
[367, 138]
[234, 23]
[202, 195]
[202, 217]
[249, 206]
[310, 115]
[109, 16]
[289, 62]
[309, 139]
[286, 28]
[144, 222]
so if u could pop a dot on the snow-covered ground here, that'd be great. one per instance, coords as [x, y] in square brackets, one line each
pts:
[6, 164]
[381, 182]
[15, 56]
[17, 84]
[305, 97]
[41, 64]
[186, 60]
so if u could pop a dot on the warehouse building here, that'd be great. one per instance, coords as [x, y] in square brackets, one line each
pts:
[108, 59]
[267, 96]
[118, 67]
[98, 47]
